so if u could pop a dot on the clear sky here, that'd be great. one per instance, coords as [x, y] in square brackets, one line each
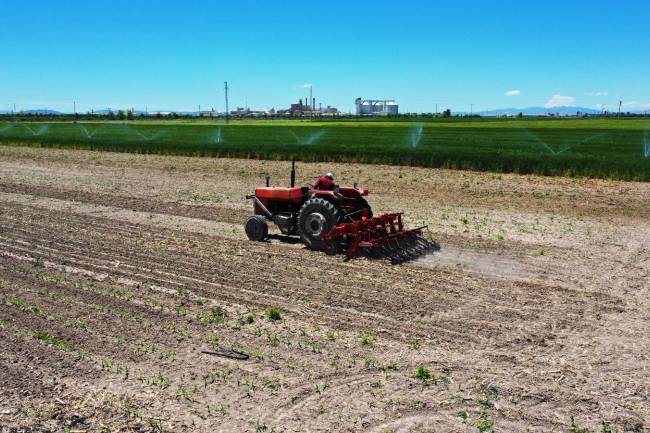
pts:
[177, 54]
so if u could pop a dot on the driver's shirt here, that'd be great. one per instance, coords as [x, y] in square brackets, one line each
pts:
[325, 184]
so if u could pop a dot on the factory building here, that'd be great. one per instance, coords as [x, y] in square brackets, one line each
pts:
[376, 107]
[303, 108]
[306, 108]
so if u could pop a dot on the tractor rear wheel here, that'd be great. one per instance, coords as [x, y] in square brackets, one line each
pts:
[317, 217]
[256, 228]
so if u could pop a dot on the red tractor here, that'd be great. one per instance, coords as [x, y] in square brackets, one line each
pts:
[333, 220]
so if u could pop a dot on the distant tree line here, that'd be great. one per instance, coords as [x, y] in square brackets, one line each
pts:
[128, 115]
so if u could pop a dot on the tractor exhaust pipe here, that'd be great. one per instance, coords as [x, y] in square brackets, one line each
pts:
[293, 173]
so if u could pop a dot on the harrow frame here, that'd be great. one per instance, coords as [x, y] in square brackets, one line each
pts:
[382, 236]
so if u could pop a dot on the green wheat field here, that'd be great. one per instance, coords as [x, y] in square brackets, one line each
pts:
[602, 148]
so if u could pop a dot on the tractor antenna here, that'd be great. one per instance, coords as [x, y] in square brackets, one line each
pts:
[293, 173]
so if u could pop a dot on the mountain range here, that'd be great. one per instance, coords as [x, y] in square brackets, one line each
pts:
[35, 111]
[540, 111]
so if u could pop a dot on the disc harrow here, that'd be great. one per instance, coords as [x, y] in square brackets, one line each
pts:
[382, 236]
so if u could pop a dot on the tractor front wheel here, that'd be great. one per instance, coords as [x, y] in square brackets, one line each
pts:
[317, 217]
[256, 228]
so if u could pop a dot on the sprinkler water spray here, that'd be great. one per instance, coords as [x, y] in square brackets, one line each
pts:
[416, 135]
[217, 138]
[40, 131]
[43, 129]
[86, 132]
[540, 141]
[310, 139]
[145, 137]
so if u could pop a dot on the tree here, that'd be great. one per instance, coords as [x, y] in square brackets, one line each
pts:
[446, 113]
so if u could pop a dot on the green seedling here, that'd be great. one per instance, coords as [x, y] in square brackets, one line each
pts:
[273, 314]
[367, 339]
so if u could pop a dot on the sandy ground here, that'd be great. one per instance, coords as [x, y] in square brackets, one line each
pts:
[117, 272]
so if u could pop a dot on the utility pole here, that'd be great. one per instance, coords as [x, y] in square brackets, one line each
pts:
[471, 109]
[310, 103]
[225, 88]
[74, 107]
[199, 110]
[619, 109]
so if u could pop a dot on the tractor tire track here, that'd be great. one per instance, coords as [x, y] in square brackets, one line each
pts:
[197, 268]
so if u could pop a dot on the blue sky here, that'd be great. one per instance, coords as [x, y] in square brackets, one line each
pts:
[176, 55]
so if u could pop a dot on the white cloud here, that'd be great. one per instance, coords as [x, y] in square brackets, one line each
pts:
[560, 101]
[636, 105]
[596, 93]
[513, 93]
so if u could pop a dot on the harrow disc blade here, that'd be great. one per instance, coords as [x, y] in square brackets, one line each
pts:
[405, 248]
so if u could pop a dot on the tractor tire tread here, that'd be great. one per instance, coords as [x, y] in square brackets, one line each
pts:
[315, 202]
[256, 228]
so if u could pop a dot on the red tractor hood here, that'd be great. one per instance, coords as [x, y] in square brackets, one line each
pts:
[294, 195]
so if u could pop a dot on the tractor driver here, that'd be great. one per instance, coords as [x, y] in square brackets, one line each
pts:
[325, 183]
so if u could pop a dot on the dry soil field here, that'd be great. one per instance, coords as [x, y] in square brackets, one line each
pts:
[117, 271]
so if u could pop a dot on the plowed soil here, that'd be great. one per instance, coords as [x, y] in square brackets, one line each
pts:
[118, 272]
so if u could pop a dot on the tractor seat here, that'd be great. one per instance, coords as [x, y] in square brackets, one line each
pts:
[293, 195]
